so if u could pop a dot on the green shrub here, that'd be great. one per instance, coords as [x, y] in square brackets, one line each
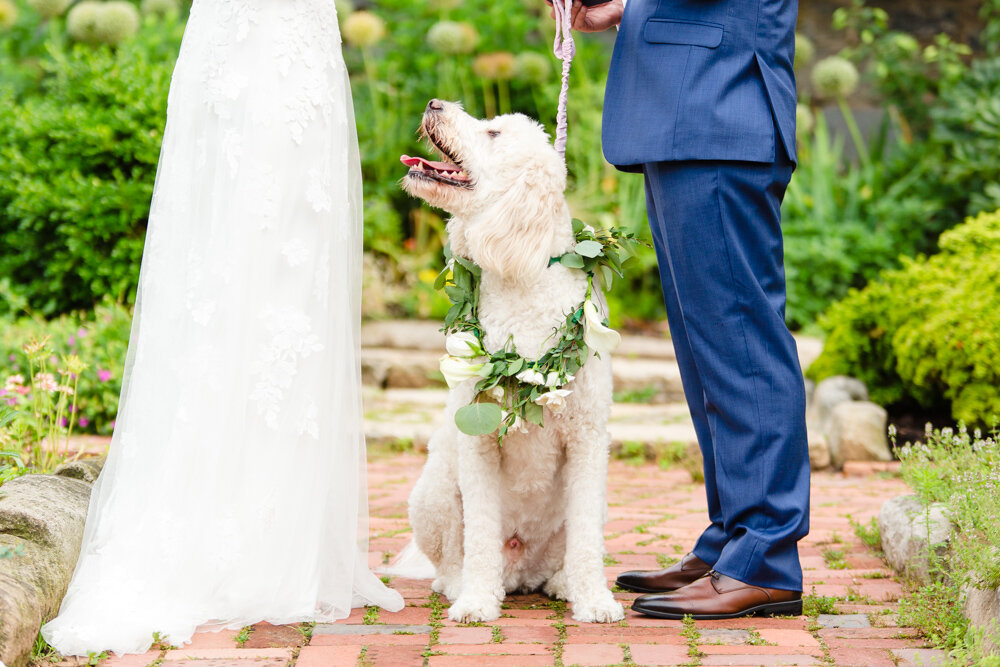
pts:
[928, 333]
[79, 161]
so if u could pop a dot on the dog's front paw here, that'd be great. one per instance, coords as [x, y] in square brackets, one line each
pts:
[474, 609]
[605, 609]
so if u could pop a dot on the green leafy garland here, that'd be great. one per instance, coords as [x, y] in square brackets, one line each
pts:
[512, 389]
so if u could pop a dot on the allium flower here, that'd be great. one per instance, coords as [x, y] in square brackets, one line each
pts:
[84, 422]
[804, 121]
[14, 381]
[81, 22]
[497, 66]
[117, 21]
[532, 67]
[555, 400]
[160, 7]
[363, 29]
[46, 382]
[49, 9]
[531, 376]
[344, 8]
[834, 77]
[597, 336]
[805, 50]
[103, 375]
[452, 37]
[8, 13]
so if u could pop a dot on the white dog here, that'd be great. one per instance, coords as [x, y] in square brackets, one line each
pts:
[529, 514]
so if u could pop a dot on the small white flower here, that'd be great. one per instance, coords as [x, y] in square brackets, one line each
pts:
[552, 380]
[456, 371]
[464, 345]
[555, 400]
[531, 376]
[598, 337]
[498, 394]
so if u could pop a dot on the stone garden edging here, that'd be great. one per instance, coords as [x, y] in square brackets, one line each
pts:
[909, 531]
[44, 516]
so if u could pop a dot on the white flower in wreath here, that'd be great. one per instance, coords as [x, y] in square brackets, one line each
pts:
[554, 400]
[464, 345]
[531, 376]
[456, 371]
[598, 337]
[497, 394]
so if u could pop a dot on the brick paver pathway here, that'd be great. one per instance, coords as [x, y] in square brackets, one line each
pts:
[655, 517]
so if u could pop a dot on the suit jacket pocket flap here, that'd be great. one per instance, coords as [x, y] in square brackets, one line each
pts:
[666, 31]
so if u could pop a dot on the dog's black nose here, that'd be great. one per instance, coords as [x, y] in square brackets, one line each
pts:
[435, 105]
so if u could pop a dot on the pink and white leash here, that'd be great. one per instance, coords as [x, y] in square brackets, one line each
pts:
[564, 48]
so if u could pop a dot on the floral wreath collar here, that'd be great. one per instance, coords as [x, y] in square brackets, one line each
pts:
[512, 389]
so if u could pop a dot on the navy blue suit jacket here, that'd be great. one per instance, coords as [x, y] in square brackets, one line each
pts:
[701, 80]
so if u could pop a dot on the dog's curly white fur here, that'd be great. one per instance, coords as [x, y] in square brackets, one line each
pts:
[528, 515]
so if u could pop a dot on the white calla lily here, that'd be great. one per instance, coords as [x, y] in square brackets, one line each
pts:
[554, 400]
[531, 376]
[463, 345]
[456, 370]
[598, 337]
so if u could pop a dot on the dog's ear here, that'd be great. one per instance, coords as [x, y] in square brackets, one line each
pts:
[514, 238]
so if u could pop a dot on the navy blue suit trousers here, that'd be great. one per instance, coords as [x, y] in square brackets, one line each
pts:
[717, 231]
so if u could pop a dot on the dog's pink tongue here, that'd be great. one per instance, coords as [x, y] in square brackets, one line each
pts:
[437, 166]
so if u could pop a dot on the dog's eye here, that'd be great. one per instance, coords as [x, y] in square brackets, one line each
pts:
[494, 133]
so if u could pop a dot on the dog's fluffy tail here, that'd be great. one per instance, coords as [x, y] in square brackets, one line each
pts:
[411, 563]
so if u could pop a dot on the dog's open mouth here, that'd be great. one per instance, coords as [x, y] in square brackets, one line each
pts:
[448, 171]
[443, 172]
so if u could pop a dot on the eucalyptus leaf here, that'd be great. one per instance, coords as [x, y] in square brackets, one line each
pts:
[479, 418]
[441, 280]
[607, 278]
[572, 261]
[589, 249]
[533, 413]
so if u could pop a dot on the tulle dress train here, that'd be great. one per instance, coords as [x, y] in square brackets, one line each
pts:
[235, 491]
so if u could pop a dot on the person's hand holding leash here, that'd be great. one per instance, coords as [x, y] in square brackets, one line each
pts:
[594, 16]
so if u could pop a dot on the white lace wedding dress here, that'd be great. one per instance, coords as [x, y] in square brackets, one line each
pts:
[235, 487]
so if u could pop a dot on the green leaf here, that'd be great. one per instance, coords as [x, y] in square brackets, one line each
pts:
[607, 278]
[572, 261]
[441, 280]
[456, 294]
[479, 418]
[515, 367]
[486, 370]
[578, 225]
[533, 413]
[589, 249]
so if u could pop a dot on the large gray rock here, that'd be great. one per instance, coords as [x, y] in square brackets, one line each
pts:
[857, 432]
[914, 535]
[43, 516]
[85, 470]
[830, 393]
[819, 451]
[982, 607]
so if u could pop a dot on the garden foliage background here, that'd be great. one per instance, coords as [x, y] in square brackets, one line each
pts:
[83, 88]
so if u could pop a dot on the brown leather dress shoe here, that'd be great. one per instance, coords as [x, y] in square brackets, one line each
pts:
[716, 596]
[690, 569]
